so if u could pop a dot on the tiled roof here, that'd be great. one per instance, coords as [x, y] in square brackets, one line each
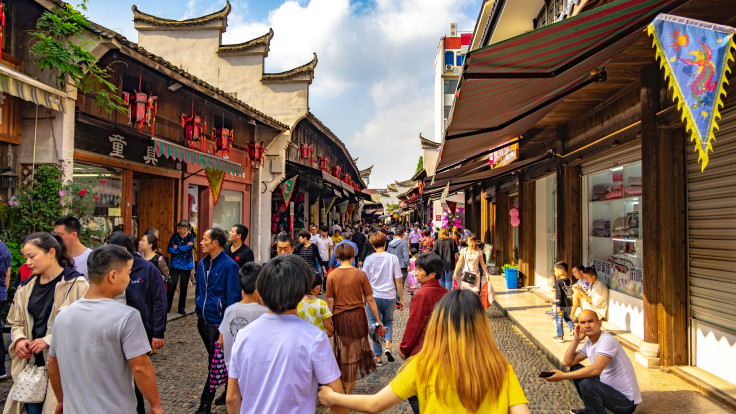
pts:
[264, 40]
[407, 183]
[366, 172]
[427, 144]
[306, 69]
[224, 96]
[139, 16]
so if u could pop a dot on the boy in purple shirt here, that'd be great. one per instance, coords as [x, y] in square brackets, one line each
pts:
[278, 360]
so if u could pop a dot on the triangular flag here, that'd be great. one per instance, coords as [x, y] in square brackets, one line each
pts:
[328, 204]
[452, 206]
[214, 177]
[349, 210]
[695, 55]
[445, 192]
[343, 208]
[287, 188]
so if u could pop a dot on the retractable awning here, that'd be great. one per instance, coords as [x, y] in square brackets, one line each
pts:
[508, 87]
[177, 152]
[24, 87]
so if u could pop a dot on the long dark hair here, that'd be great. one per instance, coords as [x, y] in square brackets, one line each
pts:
[46, 242]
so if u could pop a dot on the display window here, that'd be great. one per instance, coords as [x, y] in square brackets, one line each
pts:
[614, 246]
[107, 184]
[229, 210]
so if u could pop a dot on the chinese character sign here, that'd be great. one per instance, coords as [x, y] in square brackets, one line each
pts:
[118, 145]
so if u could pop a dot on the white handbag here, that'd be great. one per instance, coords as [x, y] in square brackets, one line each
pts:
[31, 384]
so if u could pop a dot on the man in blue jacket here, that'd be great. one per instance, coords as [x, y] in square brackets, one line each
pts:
[217, 288]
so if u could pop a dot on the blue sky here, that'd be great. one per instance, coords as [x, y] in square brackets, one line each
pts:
[373, 86]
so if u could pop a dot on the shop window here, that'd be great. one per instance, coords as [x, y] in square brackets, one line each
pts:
[614, 246]
[229, 210]
[450, 86]
[107, 184]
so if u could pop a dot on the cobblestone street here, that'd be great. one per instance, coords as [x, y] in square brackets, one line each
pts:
[181, 368]
[182, 364]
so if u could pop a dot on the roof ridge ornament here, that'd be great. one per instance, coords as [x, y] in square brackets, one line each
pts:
[151, 22]
[249, 45]
[291, 74]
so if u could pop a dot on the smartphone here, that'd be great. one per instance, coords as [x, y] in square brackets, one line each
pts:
[545, 374]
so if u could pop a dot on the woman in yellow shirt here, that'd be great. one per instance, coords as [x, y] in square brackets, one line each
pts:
[459, 369]
[336, 238]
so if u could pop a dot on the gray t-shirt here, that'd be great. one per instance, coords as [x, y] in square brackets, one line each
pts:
[93, 339]
[237, 316]
[80, 263]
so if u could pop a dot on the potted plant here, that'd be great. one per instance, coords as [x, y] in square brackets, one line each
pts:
[511, 272]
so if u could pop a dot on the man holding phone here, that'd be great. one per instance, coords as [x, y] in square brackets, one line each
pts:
[609, 382]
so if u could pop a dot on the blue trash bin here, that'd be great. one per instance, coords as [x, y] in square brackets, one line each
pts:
[512, 276]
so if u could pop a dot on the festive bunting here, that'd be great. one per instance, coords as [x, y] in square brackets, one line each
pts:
[287, 188]
[445, 192]
[695, 56]
[214, 177]
[452, 206]
[343, 208]
[349, 210]
[328, 204]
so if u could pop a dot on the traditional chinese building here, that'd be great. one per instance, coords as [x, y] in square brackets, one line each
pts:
[180, 152]
[327, 178]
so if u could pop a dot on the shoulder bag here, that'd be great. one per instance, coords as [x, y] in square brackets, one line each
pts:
[468, 277]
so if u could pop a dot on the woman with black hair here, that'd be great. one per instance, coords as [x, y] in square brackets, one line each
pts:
[181, 245]
[54, 284]
[148, 249]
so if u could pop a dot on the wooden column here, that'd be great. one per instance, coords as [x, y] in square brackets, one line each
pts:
[128, 201]
[527, 231]
[650, 206]
[672, 311]
[485, 218]
[569, 215]
[501, 244]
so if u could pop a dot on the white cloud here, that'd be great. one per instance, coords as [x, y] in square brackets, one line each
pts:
[191, 9]
[382, 52]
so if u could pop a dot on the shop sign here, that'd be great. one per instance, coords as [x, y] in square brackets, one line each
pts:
[118, 143]
[504, 156]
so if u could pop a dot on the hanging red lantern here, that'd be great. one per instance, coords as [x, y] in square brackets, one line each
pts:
[336, 171]
[223, 138]
[194, 128]
[323, 163]
[255, 154]
[305, 151]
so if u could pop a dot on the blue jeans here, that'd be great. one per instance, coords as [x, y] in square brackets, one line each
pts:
[560, 314]
[386, 314]
[598, 396]
[446, 279]
[34, 408]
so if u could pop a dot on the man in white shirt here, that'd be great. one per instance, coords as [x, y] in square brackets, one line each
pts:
[69, 228]
[609, 382]
[595, 299]
[324, 244]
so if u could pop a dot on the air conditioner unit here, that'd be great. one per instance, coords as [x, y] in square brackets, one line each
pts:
[449, 68]
[453, 29]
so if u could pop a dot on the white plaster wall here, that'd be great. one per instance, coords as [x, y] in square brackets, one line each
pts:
[626, 312]
[192, 50]
[287, 102]
[241, 74]
[541, 271]
[715, 351]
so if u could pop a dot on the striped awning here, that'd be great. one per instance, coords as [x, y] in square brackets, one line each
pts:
[508, 87]
[177, 152]
[24, 87]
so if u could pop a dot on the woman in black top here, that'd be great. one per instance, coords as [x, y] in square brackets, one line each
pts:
[54, 284]
[308, 251]
[446, 248]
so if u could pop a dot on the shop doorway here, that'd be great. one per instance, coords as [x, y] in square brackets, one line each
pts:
[154, 206]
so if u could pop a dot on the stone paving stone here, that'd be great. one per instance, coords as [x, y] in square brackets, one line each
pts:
[181, 368]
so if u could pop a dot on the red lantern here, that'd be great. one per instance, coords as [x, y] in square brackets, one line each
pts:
[194, 129]
[336, 171]
[323, 163]
[255, 153]
[142, 109]
[305, 151]
[223, 138]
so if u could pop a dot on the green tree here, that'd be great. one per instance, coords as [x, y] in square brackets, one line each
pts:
[420, 164]
[59, 48]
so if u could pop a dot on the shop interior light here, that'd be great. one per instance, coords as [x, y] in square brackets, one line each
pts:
[624, 240]
[617, 169]
[174, 86]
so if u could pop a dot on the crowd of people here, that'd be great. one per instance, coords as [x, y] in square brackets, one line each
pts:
[303, 326]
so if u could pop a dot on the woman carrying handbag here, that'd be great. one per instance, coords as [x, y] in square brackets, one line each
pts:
[54, 284]
[471, 262]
